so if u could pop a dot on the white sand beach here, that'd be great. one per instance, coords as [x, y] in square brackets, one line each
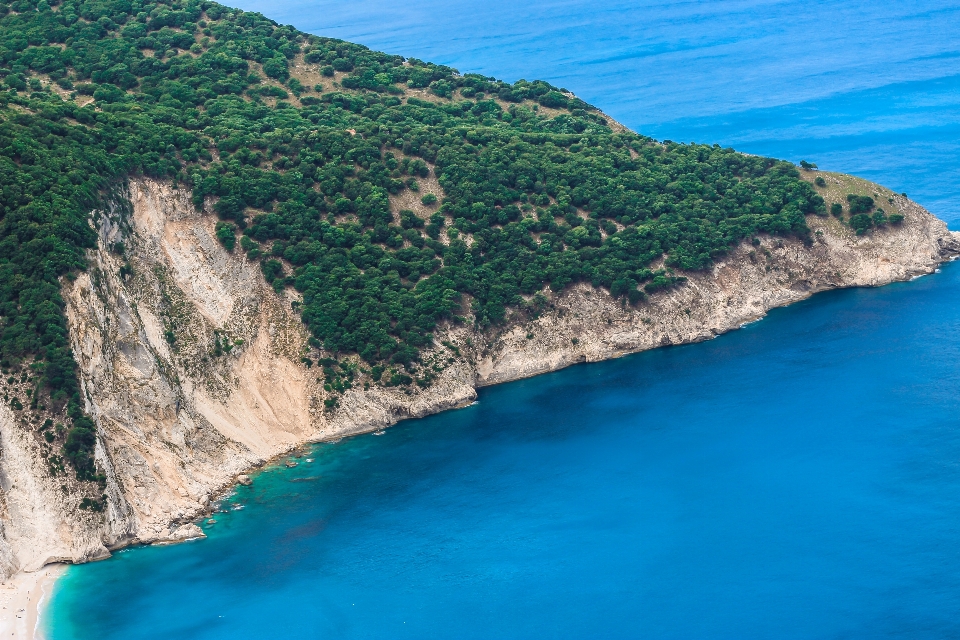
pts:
[21, 600]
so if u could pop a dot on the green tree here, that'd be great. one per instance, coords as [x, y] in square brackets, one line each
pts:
[226, 235]
[546, 199]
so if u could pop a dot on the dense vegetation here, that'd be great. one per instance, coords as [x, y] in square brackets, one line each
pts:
[864, 214]
[537, 189]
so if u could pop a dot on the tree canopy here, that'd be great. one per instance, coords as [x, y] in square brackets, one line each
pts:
[538, 188]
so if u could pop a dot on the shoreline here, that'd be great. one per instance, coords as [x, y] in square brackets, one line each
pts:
[158, 492]
[227, 489]
[221, 492]
[22, 598]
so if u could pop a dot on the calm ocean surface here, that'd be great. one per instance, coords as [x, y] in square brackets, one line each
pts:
[798, 478]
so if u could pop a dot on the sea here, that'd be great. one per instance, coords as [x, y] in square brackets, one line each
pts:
[797, 478]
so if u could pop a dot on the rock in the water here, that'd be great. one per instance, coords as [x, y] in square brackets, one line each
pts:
[244, 479]
[187, 532]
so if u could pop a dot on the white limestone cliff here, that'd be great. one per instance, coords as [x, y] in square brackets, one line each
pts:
[179, 418]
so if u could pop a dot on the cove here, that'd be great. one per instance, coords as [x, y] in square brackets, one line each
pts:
[796, 478]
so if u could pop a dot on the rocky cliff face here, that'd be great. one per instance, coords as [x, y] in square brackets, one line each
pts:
[192, 365]
[587, 325]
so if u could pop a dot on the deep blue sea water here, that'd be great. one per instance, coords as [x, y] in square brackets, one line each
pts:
[797, 478]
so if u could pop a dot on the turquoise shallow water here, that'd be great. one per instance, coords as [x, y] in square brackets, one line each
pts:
[797, 478]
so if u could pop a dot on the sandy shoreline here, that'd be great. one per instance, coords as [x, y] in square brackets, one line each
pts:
[21, 599]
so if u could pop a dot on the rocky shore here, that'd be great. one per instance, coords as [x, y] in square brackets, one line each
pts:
[194, 368]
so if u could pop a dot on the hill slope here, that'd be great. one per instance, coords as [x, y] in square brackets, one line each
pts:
[222, 238]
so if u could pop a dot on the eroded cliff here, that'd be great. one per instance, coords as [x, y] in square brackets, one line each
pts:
[192, 366]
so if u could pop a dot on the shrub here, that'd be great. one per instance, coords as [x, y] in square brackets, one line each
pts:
[860, 204]
[861, 223]
[410, 220]
[441, 88]
[554, 100]
[622, 286]
[428, 199]
[276, 68]
[79, 446]
[16, 81]
[319, 178]
[272, 269]
[226, 235]
[662, 281]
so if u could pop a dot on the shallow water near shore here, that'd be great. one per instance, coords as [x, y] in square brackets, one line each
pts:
[799, 477]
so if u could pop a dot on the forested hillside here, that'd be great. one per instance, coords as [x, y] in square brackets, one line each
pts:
[301, 142]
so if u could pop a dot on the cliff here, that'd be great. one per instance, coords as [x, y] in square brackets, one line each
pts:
[192, 366]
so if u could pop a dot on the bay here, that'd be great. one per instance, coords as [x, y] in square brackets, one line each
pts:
[796, 478]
